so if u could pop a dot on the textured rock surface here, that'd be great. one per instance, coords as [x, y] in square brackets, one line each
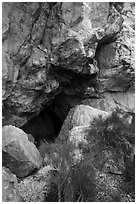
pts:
[110, 101]
[20, 155]
[81, 115]
[80, 137]
[85, 115]
[109, 167]
[34, 188]
[27, 64]
[82, 25]
[80, 48]
[10, 192]
[116, 59]
[57, 55]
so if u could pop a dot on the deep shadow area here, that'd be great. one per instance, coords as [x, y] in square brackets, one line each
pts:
[52, 194]
[45, 126]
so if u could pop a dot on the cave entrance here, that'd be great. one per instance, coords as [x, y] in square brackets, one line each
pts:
[45, 126]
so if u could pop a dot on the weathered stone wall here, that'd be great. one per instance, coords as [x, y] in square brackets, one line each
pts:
[83, 49]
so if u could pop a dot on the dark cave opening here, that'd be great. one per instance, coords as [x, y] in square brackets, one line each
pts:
[45, 126]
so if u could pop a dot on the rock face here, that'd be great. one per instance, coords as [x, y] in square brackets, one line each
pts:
[10, 192]
[35, 188]
[81, 115]
[80, 48]
[111, 101]
[109, 165]
[65, 63]
[82, 25]
[20, 155]
[116, 59]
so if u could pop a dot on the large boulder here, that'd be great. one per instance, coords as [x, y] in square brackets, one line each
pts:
[81, 115]
[18, 153]
[10, 192]
[103, 148]
[85, 115]
[110, 163]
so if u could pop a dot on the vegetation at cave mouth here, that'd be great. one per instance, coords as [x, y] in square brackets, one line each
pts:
[75, 181]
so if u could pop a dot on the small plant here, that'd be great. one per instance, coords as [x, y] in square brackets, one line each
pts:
[74, 181]
[118, 135]
[112, 131]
